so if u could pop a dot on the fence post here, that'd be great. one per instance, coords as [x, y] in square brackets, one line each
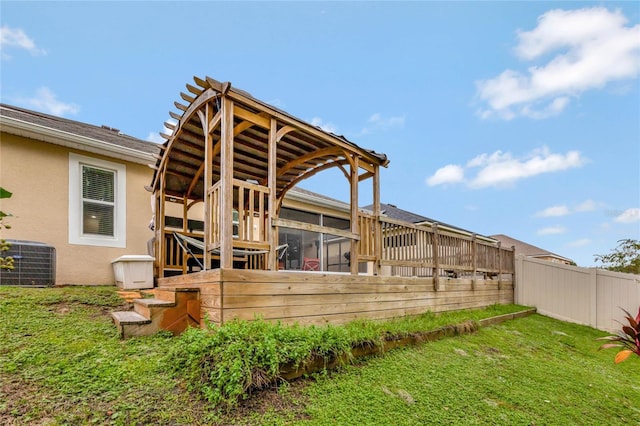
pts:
[593, 297]
[436, 266]
[518, 279]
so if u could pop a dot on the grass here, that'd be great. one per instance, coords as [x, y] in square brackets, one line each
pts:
[534, 370]
[61, 362]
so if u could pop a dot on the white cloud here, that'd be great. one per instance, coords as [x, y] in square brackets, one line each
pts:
[378, 122]
[629, 216]
[555, 211]
[17, 38]
[586, 206]
[447, 174]
[327, 127]
[579, 243]
[501, 169]
[552, 230]
[46, 101]
[592, 47]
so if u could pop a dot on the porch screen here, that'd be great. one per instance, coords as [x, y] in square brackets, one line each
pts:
[98, 201]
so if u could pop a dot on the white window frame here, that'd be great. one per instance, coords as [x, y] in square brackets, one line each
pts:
[76, 235]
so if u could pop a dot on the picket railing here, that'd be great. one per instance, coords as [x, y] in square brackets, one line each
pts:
[423, 250]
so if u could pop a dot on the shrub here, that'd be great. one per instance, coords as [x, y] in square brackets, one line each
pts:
[226, 363]
[628, 338]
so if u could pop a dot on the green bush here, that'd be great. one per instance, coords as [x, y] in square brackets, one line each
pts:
[226, 363]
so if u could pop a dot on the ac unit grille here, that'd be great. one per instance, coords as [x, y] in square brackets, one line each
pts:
[33, 262]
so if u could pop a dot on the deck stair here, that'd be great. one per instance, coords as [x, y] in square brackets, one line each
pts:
[167, 309]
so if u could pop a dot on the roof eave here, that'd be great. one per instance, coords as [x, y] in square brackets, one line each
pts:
[541, 255]
[71, 140]
[320, 201]
[458, 231]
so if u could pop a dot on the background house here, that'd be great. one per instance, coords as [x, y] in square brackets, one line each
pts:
[532, 251]
[392, 211]
[76, 187]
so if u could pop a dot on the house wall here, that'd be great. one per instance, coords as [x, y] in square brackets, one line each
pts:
[37, 173]
[587, 296]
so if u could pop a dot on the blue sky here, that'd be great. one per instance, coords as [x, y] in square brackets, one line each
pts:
[520, 118]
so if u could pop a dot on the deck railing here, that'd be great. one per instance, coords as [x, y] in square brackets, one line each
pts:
[250, 213]
[403, 249]
[424, 250]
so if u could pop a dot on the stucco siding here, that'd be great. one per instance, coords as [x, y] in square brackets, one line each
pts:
[37, 173]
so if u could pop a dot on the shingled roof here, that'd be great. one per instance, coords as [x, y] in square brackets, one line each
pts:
[528, 249]
[49, 128]
[396, 213]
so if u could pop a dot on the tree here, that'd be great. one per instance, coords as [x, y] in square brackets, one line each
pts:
[624, 258]
[6, 262]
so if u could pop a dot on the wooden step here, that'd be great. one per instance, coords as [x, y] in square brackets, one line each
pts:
[129, 317]
[170, 309]
[131, 323]
[145, 307]
[164, 294]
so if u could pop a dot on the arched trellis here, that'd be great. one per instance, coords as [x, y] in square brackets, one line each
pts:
[239, 156]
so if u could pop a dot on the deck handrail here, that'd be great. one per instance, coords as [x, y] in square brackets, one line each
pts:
[427, 247]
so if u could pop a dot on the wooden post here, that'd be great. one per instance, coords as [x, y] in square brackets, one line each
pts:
[158, 244]
[377, 232]
[355, 228]
[226, 185]
[513, 276]
[499, 265]
[474, 260]
[436, 263]
[185, 224]
[209, 215]
[271, 173]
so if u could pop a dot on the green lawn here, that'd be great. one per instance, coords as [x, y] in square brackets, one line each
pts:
[61, 362]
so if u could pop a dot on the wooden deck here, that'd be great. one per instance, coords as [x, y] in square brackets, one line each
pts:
[320, 298]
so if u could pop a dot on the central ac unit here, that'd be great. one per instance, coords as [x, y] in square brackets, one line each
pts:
[34, 264]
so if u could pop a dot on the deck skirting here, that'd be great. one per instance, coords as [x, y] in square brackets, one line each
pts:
[320, 298]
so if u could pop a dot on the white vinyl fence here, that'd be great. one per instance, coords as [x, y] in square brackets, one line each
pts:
[586, 296]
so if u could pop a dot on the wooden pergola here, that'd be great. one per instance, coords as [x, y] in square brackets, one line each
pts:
[239, 156]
